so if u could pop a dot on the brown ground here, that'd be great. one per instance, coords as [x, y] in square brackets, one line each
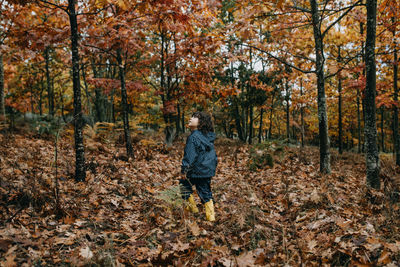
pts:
[129, 213]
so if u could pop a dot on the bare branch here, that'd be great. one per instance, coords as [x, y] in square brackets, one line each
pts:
[339, 18]
[63, 8]
[107, 51]
[301, 9]
[323, 10]
[94, 13]
[280, 60]
[343, 66]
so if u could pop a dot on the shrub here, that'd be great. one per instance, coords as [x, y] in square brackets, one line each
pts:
[259, 158]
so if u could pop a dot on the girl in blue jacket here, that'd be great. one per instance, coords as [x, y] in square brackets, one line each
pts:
[199, 164]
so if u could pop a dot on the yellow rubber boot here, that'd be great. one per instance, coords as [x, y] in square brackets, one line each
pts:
[210, 214]
[191, 205]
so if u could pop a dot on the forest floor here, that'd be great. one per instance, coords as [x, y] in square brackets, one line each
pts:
[129, 213]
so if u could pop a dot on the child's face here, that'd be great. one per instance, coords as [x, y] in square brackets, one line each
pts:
[193, 123]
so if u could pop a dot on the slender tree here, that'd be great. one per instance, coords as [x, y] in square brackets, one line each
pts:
[2, 106]
[395, 97]
[324, 142]
[340, 120]
[124, 97]
[370, 131]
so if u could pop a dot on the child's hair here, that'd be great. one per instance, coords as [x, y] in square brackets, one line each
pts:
[205, 122]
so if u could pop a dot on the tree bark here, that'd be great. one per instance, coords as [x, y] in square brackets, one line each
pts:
[261, 125]
[358, 120]
[395, 98]
[359, 97]
[88, 96]
[287, 110]
[41, 98]
[322, 109]
[50, 93]
[183, 120]
[99, 99]
[302, 114]
[382, 129]
[237, 120]
[250, 124]
[270, 116]
[370, 131]
[125, 112]
[80, 173]
[340, 120]
[178, 119]
[2, 105]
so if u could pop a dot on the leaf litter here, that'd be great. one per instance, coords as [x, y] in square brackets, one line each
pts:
[129, 213]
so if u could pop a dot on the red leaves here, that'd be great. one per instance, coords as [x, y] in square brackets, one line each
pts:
[109, 84]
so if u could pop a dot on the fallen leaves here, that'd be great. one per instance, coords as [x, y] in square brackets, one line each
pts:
[130, 212]
[86, 253]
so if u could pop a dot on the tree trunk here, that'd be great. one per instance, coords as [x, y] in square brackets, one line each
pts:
[261, 125]
[80, 173]
[395, 98]
[340, 120]
[62, 109]
[322, 110]
[178, 119]
[2, 105]
[50, 93]
[183, 120]
[250, 124]
[287, 110]
[302, 114]
[370, 131]
[125, 112]
[358, 120]
[237, 120]
[99, 99]
[88, 96]
[41, 98]
[382, 129]
[112, 106]
[270, 116]
[31, 98]
[359, 97]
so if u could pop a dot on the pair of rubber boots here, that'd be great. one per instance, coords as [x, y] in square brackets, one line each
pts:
[209, 207]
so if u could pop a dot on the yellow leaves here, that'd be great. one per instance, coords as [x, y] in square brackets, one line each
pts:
[123, 4]
[101, 3]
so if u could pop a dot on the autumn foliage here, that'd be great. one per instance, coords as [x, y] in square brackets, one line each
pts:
[95, 96]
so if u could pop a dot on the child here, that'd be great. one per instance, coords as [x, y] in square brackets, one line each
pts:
[199, 164]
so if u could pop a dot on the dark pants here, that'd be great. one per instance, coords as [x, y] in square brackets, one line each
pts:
[203, 188]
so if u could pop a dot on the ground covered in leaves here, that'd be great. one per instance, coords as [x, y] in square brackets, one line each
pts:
[128, 213]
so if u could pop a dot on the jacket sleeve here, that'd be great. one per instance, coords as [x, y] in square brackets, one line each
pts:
[189, 156]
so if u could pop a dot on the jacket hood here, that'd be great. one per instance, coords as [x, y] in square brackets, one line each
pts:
[207, 140]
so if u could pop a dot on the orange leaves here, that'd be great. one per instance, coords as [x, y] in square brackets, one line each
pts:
[110, 84]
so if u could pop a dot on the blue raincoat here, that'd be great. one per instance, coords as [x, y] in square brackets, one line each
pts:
[199, 159]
